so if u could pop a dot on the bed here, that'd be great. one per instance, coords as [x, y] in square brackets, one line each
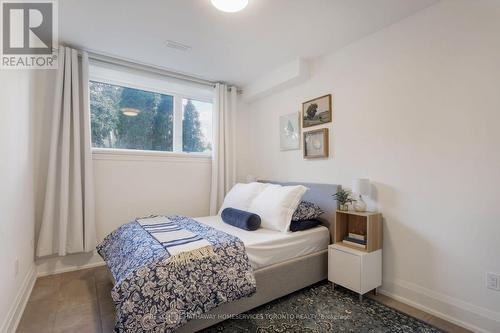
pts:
[281, 262]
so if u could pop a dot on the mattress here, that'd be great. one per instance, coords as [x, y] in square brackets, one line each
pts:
[267, 247]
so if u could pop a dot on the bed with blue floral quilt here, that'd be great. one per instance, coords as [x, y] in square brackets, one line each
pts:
[171, 269]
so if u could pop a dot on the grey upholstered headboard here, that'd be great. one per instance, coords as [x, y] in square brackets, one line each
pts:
[321, 195]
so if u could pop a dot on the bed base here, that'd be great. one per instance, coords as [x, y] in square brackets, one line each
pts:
[273, 282]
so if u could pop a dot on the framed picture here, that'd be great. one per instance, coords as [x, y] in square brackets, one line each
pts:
[317, 111]
[290, 131]
[316, 143]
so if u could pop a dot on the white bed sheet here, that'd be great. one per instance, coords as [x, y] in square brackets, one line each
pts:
[267, 247]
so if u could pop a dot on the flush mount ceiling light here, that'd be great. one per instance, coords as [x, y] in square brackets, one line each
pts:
[130, 112]
[230, 6]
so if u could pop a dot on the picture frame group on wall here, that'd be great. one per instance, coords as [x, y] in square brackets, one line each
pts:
[315, 143]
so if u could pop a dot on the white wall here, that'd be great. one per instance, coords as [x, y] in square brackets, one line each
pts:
[16, 194]
[417, 110]
[130, 186]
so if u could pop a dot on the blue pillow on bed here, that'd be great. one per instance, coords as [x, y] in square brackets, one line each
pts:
[241, 219]
[304, 224]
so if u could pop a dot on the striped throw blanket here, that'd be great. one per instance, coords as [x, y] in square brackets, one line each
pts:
[182, 244]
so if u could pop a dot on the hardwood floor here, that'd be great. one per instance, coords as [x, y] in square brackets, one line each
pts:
[80, 302]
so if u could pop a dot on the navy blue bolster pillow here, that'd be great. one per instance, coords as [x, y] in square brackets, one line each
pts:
[241, 219]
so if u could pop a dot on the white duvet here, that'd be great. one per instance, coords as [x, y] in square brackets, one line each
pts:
[267, 247]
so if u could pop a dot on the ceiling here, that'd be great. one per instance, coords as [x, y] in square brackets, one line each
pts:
[236, 48]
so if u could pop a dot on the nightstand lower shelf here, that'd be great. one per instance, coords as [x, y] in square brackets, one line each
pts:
[354, 269]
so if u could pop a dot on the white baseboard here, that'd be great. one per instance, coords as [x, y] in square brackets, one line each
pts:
[16, 311]
[467, 315]
[69, 263]
[70, 269]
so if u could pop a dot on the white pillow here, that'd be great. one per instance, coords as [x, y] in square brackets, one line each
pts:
[241, 195]
[275, 206]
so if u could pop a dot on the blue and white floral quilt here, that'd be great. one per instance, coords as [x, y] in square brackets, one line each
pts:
[153, 293]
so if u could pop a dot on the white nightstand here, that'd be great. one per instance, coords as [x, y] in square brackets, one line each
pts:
[359, 270]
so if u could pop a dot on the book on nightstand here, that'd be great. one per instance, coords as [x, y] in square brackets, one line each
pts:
[355, 242]
[357, 236]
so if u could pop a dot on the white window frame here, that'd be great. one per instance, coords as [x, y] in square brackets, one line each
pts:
[136, 154]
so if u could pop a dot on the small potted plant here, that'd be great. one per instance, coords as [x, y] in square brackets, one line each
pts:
[344, 198]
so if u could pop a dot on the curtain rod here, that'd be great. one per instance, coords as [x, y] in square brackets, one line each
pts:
[113, 60]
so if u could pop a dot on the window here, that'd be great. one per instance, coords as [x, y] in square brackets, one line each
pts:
[148, 113]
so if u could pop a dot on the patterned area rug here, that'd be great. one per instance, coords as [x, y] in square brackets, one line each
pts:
[319, 308]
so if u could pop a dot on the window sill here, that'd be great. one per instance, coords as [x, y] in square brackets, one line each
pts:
[148, 155]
